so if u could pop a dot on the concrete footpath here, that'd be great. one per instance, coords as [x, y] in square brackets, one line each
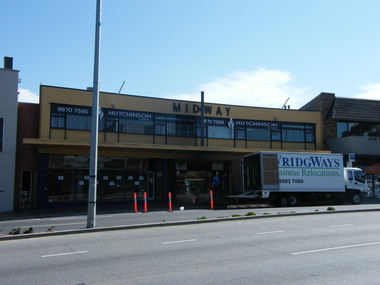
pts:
[73, 220]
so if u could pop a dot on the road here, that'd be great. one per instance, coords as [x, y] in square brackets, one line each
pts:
[66, 222]
[313, 249]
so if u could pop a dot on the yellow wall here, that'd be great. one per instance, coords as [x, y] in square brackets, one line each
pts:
[49, 94]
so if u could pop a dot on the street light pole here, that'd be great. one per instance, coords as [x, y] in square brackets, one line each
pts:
[91, 208]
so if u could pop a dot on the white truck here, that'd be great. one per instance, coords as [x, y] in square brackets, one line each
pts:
[288, 177]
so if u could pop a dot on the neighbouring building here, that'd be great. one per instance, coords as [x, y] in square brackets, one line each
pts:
[8, 129]
[352, 127]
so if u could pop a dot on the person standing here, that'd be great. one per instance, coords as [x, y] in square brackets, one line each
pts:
[216, 185]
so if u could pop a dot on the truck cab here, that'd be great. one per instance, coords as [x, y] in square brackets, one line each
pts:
[355, 183]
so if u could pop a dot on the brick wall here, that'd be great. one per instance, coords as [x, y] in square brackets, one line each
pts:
[26, 155]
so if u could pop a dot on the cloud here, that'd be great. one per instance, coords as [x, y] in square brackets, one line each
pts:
[28, 96]
[258, 88]
[371, 91]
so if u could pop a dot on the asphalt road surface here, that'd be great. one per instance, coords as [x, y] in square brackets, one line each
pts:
[313, 249]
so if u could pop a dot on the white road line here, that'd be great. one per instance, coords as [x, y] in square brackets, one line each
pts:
[268, 233]
[338, 226]
[179, 241]
[66, 253]
[335, 248]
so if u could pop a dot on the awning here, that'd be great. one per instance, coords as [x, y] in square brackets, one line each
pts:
[373, 169]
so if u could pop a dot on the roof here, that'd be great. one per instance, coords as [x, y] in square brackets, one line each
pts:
[355, 110]
[346, 109]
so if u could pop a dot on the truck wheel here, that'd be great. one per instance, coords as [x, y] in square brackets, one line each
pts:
[356, 198]
[292, 200]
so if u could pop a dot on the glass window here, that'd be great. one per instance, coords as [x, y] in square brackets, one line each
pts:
[258, 134]
[159, 128]
[57, 121]
[349, 174]
[111, 125]
[78, 122]
[310, 133]
[240, 133]
[276, 133]
[70, 117]
[341, 129]
[112, 163]
[62, 161]
[359, 176]
[293, 133]
[345, 129]
[354, 129]
[219, 132]
[83, 162]
[180, 126]
[129, 126]
[61, 185]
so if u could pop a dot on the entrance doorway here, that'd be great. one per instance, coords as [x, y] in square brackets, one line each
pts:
[26, 189]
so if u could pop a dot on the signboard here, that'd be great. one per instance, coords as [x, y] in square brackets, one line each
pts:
[310, 172]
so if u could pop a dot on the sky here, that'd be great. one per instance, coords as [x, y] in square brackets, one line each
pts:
[239, 52]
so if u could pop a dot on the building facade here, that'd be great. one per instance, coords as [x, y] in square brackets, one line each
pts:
[155, 145]
[352, 127]
[8, 130]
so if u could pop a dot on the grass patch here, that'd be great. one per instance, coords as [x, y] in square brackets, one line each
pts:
[28, 231]
[222, 217]
[266, 214]
[202, 218]
[236, 215]
[15, 231]
[330, 209]
[51, 229]
[250, 214]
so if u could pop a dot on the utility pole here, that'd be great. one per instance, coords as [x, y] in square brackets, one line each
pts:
[202, 118]
[91, 208]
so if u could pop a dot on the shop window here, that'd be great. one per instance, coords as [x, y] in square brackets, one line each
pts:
[83, 162]
[61, 185]
[112, 163]
[62, 161]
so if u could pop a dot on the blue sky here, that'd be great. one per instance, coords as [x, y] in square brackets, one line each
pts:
[241, 52]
